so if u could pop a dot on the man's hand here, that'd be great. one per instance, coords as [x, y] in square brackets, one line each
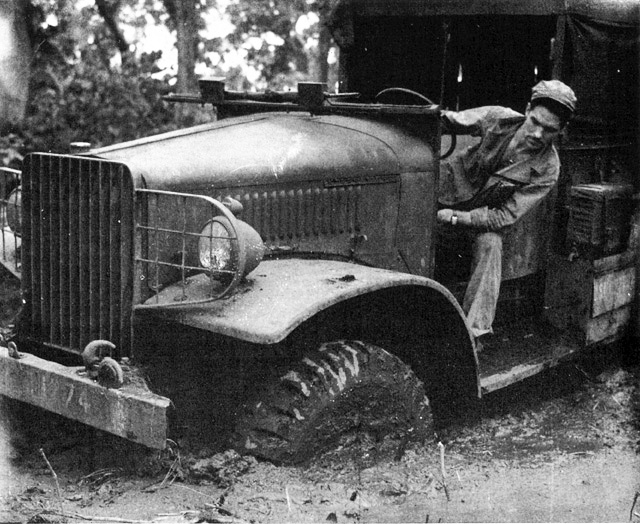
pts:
[454, 218]
[444, 216]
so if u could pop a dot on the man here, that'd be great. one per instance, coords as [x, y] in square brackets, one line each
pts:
[491, 185]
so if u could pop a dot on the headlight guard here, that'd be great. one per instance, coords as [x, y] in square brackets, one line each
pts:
[174, 246]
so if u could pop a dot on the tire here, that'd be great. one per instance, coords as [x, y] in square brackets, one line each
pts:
[341, 388]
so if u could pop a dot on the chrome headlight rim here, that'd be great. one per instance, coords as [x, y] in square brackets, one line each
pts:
[218, 230]
[233, 271]
[13, 208]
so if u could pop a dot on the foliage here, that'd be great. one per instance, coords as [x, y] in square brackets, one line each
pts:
[279, 38]
[80, 92]
[11, 146]
[86, 86]
[85, 101]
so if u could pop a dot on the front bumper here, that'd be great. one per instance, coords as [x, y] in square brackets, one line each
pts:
[129, 412]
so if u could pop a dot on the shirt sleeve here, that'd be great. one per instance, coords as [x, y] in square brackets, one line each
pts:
[522, 201]
[475, 121]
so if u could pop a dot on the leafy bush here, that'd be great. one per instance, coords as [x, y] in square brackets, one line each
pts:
[11, 148]
[87, 102]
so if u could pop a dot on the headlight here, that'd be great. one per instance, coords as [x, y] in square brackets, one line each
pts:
[14, 217]
[226, 249]
[214, 246]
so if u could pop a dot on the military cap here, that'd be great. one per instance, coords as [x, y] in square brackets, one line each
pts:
[555, 90]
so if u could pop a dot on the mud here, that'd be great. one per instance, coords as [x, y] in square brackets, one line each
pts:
[561, 447]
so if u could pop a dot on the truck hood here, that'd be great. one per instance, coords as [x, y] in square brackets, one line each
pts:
[271, 148]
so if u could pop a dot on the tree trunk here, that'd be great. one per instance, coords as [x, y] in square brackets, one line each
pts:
[324, 44]
[15, 61]
[187, 39]
[109, 13]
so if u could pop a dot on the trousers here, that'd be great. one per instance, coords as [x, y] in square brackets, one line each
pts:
[481, 295]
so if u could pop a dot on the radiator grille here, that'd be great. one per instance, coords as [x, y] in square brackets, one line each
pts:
[77, 251]
[301, 213]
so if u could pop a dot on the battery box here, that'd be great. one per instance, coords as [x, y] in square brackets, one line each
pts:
[599, 218]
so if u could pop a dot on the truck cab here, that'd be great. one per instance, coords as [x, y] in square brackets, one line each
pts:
[274, 271]
[467, 55]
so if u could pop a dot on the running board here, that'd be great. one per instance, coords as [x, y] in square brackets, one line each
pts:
[129, 412]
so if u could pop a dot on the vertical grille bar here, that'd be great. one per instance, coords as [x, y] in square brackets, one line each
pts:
[31, 194]
[44, 215]
[309, 221]
[26, 251]
[84, 227]
[73, 221]
[127, 270]
[53, 231]
[78, 251]
[64, 267]
[104, 251]
[334, 211]
[301, 229]
[114, 304]
[94, 252]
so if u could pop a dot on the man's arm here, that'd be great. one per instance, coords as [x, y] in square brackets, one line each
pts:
[521, 202]
[471, 121]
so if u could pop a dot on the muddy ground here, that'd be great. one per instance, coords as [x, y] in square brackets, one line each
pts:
[561, 447]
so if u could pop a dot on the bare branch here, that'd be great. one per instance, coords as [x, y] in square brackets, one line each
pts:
[108, 12]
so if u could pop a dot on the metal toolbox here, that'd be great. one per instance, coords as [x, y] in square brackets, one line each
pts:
[598, 217]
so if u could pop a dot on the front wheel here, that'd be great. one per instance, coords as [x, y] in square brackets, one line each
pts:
[340, 388]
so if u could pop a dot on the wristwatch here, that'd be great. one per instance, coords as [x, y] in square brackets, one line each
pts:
[454, 219]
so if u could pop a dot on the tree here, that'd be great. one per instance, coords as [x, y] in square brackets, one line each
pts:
[87, 84]
[185, 17]
[301, 27]
[15, 59]
[109, 11]
[91, 81]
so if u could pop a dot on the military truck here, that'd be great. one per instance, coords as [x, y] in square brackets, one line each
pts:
[275, 281]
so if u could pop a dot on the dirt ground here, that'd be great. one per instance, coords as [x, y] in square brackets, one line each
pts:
[561, 447]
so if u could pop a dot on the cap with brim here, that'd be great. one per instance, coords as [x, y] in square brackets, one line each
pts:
[555, 90]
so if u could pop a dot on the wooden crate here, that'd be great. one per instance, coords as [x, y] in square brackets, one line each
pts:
[594, 297]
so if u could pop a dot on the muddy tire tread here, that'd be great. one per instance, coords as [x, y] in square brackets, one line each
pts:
[299, 414]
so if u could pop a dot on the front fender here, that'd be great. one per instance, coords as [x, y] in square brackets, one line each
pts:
[282, 294]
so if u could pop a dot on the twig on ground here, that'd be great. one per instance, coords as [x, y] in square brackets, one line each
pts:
[589, 377]
[173, 472]
[221, 509]
[55, 478]
[633, 506]
[224, 511]
[99, 477]
[442, 470]
[188, 512]
[169, 478]
[79, 516]
[286, 491]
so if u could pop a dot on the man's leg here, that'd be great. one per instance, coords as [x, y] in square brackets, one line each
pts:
[481, 296]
